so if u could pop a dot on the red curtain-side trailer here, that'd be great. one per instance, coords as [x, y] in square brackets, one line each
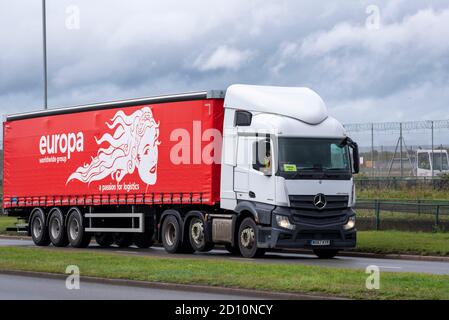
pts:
[160, 153]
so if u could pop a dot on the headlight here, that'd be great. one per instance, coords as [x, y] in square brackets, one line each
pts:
[351, 223]
[284, 222]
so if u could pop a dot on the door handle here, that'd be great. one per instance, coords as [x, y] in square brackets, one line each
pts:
[252, 194]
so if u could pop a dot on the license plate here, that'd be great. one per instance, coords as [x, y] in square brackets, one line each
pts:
[320, 243]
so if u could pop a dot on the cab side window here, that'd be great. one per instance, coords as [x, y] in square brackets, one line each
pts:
[262, 161]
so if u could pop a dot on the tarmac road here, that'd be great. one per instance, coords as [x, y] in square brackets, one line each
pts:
[14, 287]
[387, 265]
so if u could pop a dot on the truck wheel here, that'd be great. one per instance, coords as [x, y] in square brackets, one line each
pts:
[56, 229]
[39, 231]
[232, 249]
[197, 237]
[171, 235]
[325, 253]
[143, 240]
[104, 240]
[248, 239]
[78, 237]
[123, 240]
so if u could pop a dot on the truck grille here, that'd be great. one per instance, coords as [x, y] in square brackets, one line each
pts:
[319, 218]
[306, 202]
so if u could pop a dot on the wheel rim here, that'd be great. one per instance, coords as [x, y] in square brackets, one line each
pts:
[74, 229]
[37, 227]
[170, 234]
[198, 232]
[247, 238]
[55, 228]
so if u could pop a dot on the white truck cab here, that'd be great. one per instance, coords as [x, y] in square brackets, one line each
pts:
[290, 164]
[430, 162]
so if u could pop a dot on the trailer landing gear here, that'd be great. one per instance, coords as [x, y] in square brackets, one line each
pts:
[104, 240]
[123, 240]
[143, 240]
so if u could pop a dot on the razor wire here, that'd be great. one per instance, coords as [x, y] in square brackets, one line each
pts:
[395, 126]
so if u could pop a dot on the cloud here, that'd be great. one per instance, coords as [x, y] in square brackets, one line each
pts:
[223, 57]
[361, 71]
[420, 32]
[142, 48]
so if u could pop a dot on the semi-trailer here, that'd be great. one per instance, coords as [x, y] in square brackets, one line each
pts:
[253, 168]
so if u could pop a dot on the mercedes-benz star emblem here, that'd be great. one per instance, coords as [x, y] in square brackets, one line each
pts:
[320, 201]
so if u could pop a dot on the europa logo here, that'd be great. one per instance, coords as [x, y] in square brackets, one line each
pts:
[61, 144]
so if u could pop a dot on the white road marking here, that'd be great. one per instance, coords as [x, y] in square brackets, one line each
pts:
[389, 267]
[133, 252]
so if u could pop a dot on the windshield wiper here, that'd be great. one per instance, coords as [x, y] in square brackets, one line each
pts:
[318, 169]
[319, 173]
[307, 172]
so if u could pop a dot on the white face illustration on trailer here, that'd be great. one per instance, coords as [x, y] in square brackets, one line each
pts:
[133, 144]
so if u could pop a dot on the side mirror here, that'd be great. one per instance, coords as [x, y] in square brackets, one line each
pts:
[356, 157]
[355, 153]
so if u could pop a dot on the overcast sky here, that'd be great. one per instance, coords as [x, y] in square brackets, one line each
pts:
[366, 69]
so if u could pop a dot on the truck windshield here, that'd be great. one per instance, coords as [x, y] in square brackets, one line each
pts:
[305, 158]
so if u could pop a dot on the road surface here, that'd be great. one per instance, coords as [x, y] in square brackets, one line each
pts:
[14, 287]
[388, 265]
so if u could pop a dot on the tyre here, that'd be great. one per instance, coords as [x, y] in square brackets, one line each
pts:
[56, 229]
[248, 239]
[78, 237]
[104, 240]
[234, 250]
[143, 240]
[38, 228]
[123, 240]
[197, 236]
[325, 253]
[171, 235]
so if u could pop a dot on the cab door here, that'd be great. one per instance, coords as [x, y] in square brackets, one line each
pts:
[262, 180]
[241, 170]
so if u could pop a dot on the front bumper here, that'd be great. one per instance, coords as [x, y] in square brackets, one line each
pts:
[307, 230]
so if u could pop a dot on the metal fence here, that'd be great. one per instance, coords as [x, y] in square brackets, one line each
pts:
[403, 215]
[401, 183]
[391, 148]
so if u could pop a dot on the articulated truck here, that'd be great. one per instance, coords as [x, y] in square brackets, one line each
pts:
[252, 168]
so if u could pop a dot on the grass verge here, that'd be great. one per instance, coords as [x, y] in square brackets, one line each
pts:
[418, 243]
[6, 222]
[227, 273]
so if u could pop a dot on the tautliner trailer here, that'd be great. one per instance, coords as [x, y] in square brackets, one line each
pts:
[253, 168]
